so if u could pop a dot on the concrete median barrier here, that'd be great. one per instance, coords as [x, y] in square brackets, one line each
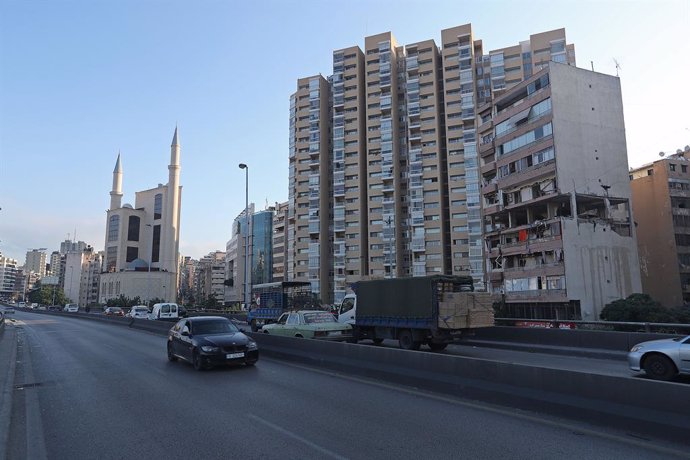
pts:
[636, 404]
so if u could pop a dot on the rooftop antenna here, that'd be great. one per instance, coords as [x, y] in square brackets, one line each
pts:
[592, 62]
[618, 65]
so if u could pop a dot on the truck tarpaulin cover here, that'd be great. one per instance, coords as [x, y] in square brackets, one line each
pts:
[402, 297]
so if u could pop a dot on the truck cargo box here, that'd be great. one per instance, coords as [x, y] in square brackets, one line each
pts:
[466, 310]
[413, 301]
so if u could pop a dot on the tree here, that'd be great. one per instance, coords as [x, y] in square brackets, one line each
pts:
[210, 301]
[44, 295]
[154, 301]
[637, 308]
[123, 302]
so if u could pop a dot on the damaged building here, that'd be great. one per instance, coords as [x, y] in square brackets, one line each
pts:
[559, 234]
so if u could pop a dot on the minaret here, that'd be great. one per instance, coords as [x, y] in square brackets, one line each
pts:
[116, 192]
[173, 204]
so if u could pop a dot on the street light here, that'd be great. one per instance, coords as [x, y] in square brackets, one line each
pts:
[246, 235]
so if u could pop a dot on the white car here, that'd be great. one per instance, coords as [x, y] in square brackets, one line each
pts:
[661, 359]
[138, 311]
[71, 308]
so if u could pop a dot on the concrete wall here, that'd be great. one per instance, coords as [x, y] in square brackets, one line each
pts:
[590, 146]
[162, 285]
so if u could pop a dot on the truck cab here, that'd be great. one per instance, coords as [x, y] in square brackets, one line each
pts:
[347, 309]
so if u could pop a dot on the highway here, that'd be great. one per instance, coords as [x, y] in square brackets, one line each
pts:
[84, 389]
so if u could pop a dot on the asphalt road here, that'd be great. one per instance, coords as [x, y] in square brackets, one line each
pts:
[87, 390]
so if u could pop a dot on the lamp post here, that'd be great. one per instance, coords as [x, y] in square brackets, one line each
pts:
[246, 235]
[148, 289]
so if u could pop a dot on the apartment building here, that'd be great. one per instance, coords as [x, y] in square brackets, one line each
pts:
[55, 263]
[556, 203]
[350, 254]
[280, 226]
[210, 274]
[8, 277]
[90, 277]
[36, 262]
[661, 205]
[310, 204]
[406, 197]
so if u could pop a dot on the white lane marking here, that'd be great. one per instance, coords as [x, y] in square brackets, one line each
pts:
[297, 437]
[495, 410]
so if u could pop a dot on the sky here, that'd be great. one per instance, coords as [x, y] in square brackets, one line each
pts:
[81, 80]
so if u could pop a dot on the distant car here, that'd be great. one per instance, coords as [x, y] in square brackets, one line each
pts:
[54, 308]
[138, 311]
[309, 324]
[661, 359]
[39, 307]
[206, 341]
[9, 311]
[71, 308]
[114, 311]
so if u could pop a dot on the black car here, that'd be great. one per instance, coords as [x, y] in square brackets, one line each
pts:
[206, 341]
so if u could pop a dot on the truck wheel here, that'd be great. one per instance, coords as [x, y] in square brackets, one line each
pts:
[253, 326]
[437, 346]
[377, 341]
[407, 342]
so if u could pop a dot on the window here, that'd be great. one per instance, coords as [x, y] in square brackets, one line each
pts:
[683, 168]
[133, 228]
[156, 243]
[158, 206]
[113, 227]
[132, 253]
[672, 166]
[111, 259]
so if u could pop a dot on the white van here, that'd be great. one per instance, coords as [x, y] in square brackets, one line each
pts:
[164, 311]
[71, 308]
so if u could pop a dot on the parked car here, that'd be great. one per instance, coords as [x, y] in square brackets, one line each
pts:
[206, 341]
[114, 311]
[54, 308]
[71, 308]
[9, 311]
[310, 324]
[138, 311]
[661, 359]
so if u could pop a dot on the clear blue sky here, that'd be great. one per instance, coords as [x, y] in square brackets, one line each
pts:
[82, 79]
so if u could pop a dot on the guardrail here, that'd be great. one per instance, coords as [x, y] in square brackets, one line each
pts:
[622, 326]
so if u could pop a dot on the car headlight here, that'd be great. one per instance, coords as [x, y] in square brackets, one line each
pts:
[251, 345]
[636, 348]
[209, 349]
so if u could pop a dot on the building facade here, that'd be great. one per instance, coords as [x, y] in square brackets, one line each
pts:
[309, 194]
[556, 203]
[8, 277]
[211, 277]
[280, 227]
[405, 178]
[235, 250]
[661, 204]
[142, 241]
[36, 262]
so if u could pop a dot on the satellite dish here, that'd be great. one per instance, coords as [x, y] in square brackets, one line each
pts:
[661, 154]
[679, 151]
[687, 148]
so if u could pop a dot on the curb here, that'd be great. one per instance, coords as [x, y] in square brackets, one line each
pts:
[9, 335]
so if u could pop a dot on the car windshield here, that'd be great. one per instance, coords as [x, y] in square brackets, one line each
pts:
[318, 317]
[214, 327]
